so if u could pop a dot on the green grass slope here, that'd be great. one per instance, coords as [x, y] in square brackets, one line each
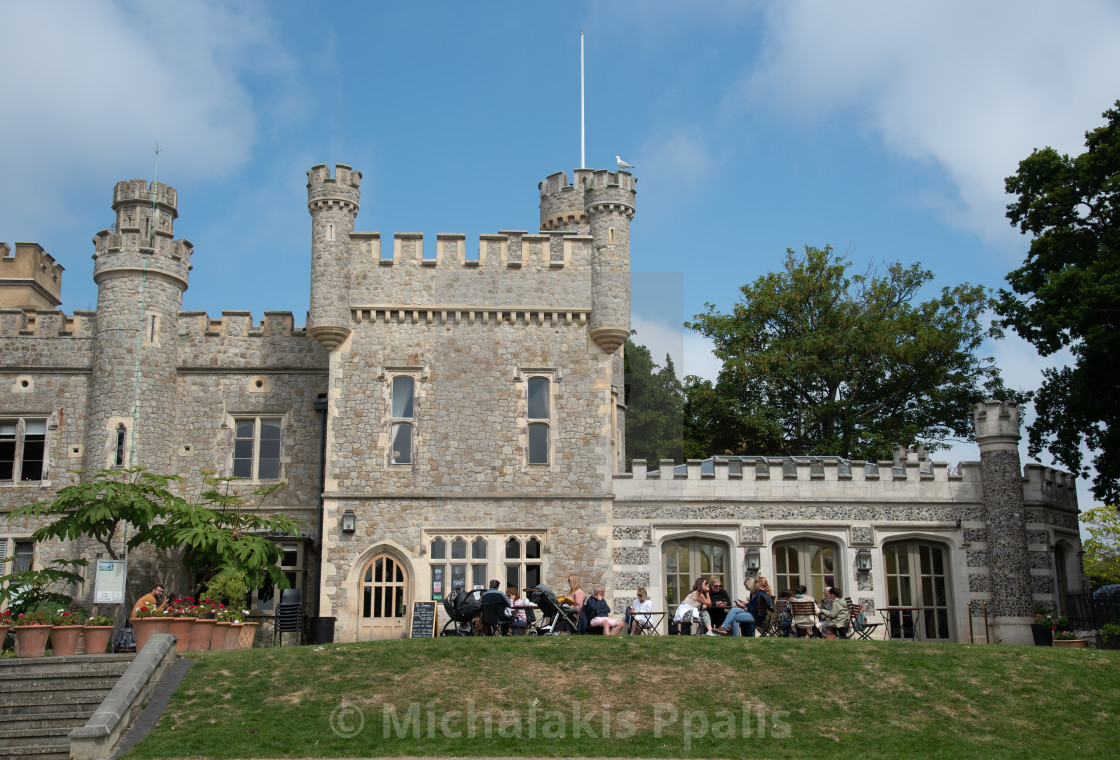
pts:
[644, 697]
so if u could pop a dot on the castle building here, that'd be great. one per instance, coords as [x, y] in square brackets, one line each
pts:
[449, 415]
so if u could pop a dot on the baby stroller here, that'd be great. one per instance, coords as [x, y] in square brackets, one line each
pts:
[462, 607]
[557, 618]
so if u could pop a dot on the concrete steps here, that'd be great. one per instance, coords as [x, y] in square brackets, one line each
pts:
[42, 700]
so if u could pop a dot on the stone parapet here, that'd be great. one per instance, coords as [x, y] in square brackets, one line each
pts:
[46, 323]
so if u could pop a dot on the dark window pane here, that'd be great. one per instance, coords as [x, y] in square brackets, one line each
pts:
[478, 548]
[291, 555]
[532, 576]
[538, 398]
[243, 468]
[459, 576]
[270, 430]
[538, 444]
[513, 576]
[402, 444]
[532, 549]
[32, 467]
[478, 575]
[513, 549]
[378, 601]
[366, 602]
[269, 469]
[458, 549]
[439, 549]
[402, 397]
[245, 429]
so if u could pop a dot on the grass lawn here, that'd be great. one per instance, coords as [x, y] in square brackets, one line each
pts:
[645, 697]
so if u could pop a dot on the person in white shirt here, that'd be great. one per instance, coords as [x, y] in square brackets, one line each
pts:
[639, 621]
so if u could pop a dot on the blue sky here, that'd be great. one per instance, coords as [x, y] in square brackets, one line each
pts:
[882, 128]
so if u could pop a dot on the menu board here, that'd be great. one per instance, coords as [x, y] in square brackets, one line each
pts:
[423, 620]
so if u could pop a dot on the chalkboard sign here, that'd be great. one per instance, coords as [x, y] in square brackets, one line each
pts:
[423, 620]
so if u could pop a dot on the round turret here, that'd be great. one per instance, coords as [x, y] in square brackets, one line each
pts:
[333, 204]
[609, 200]
[562, 206]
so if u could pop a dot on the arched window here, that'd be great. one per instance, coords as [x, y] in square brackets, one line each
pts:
[807, 562]
[917, 574]
[383, 589]
[687, 559]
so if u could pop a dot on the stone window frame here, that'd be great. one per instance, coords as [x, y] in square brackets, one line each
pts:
[494, 565]
[233, 419]
[552, 376]
[18, 441]
[296, 572]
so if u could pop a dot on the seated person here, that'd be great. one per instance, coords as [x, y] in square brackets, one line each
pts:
[638, 621]
[762, 603]
[576, 595]
[721, 601]
[495, 598]
[694, 608]
[804, 625]
[738, 615]
[519, 620]
[599, 614]
[153, 599]
[785, 622]
[834, 616]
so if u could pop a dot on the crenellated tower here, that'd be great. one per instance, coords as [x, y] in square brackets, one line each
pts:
[141, 272]
[333, 204]
[997, 434]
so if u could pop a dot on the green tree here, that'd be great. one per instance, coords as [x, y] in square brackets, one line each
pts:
[820, 360]
[1101, 550]
[654, 407]
[1067, 295]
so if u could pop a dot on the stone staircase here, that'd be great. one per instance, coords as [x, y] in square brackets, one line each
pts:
[42, 700]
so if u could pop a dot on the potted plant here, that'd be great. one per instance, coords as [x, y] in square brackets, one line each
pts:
[66, 633]
[147, 621]
[1108, 636]
[182, 621]
[31, 630]
[1043, 628]
[205, 613]
[1069, 640]
[97, 631]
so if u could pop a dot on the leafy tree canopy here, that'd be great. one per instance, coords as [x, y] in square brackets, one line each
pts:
[1067, 295]
[820, 360]
[1101, 550]
[654, 407]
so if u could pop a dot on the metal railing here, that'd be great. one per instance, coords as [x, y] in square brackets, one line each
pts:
[1086, 613]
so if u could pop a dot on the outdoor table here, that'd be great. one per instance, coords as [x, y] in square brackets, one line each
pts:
[655, 619]
[903, 613]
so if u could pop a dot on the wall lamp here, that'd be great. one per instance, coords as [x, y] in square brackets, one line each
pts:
[754, 559]
[349, 521]
[863, 560]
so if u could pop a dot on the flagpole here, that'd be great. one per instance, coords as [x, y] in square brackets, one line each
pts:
[582, 133]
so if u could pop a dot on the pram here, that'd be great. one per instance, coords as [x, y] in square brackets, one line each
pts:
[462, 607]
[556, 618]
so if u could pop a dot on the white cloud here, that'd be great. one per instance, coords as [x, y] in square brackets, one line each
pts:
[691, 352]
[972, 87]
[95, 86]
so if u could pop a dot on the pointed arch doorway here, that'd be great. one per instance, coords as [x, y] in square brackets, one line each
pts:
[383, 596]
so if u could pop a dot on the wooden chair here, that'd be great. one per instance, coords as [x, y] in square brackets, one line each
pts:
[775, 627]
[805, 609]
[868, 628]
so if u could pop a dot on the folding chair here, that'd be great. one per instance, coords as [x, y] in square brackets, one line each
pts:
[805, 609]
[863, 631]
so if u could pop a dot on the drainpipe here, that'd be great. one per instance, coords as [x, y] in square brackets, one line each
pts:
[321, 407]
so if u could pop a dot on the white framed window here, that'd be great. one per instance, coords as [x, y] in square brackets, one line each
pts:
[539, 398]
[402, 419]
[459, 561]
[22, 550]
[256, 447]
[292, 563]
[23, 443]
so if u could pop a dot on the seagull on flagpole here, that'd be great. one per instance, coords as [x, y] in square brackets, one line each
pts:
[622, 164]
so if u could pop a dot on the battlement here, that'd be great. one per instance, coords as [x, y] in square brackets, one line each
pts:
[324, 190]
[238, 324]
[29, 277]
[802, 478]
[508, 248]
[565, 206]
[1045, 485]
[997, 425]
[46, 323]
[137, 190]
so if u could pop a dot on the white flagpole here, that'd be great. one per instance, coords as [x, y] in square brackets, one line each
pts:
[582, 133]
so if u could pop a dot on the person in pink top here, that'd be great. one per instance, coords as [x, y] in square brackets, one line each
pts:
[576, 593]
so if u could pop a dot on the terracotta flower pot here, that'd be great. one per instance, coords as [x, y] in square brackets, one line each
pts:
[181, 627]
[144, 628]
[3, 633]
[64, 639]
[234, 634]
[97, 638]
[248, 635]
[201, 634]
[31, 640]
[221, 634]
[1071, 643]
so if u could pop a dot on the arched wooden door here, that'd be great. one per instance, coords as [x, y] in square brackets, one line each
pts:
[383, 595]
